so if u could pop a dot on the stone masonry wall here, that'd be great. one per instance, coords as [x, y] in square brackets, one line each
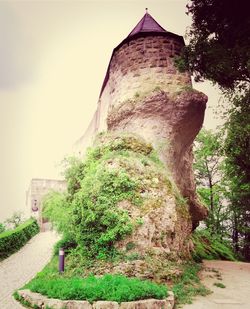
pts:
[140, 65]
[143, 64]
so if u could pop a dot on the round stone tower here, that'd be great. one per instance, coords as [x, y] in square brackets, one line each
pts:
[143, 62]
[144, 93]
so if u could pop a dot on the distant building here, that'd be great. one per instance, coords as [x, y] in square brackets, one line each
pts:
[38, 188]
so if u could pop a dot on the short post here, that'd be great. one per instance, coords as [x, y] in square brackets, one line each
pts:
[61, 260]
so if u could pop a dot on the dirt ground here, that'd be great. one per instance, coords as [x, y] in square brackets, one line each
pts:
[235, 276]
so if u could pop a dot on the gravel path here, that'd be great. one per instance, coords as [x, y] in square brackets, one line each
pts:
[22, 266]
[236, 278]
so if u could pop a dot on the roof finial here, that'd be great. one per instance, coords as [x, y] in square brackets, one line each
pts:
[146, 10]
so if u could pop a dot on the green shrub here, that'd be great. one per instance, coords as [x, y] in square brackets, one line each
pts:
[56, 209]
[109, 287]
[11, 241]
[112, 172]
[211, 247]
[66, 243]
[121, 172]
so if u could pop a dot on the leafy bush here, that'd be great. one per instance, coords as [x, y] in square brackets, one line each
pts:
[98, 223]
[13, 240]
[66, 243]
[74, 173]
[109, 287]
[112, 172]
[121, 172]
[56, 209]
[210, 247]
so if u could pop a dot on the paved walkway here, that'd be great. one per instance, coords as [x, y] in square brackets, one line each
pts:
[22, 266]
[235, 276]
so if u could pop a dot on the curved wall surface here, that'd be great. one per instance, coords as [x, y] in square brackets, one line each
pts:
[138, 66]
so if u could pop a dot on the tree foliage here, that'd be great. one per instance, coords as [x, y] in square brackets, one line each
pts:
[238, 143]
[219, 42]
[57, 210]
[15, 220]
[219, 50]
[208, 168]
[73, 172]
[237, 150]
[221, 166]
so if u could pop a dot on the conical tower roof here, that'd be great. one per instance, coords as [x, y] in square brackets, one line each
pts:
[147, 24]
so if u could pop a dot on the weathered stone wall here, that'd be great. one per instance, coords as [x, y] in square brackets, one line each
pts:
[86, 140]
[144, 64]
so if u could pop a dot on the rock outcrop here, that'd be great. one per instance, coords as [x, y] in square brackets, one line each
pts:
[170, 122]
[161, 217]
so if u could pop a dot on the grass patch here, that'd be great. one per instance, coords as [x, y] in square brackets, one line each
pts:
[211, 247]
[219, 285]
[182, 279]
[109, 287]
[188, 285]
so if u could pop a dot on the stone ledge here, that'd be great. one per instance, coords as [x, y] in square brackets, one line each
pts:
[40, 301]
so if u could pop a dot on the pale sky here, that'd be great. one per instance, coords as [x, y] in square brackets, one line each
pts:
[53, 59]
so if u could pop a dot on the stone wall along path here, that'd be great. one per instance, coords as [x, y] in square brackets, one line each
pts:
[22, 266]
[43, 302]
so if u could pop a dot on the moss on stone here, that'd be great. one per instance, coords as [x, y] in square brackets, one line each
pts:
[123, 141]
